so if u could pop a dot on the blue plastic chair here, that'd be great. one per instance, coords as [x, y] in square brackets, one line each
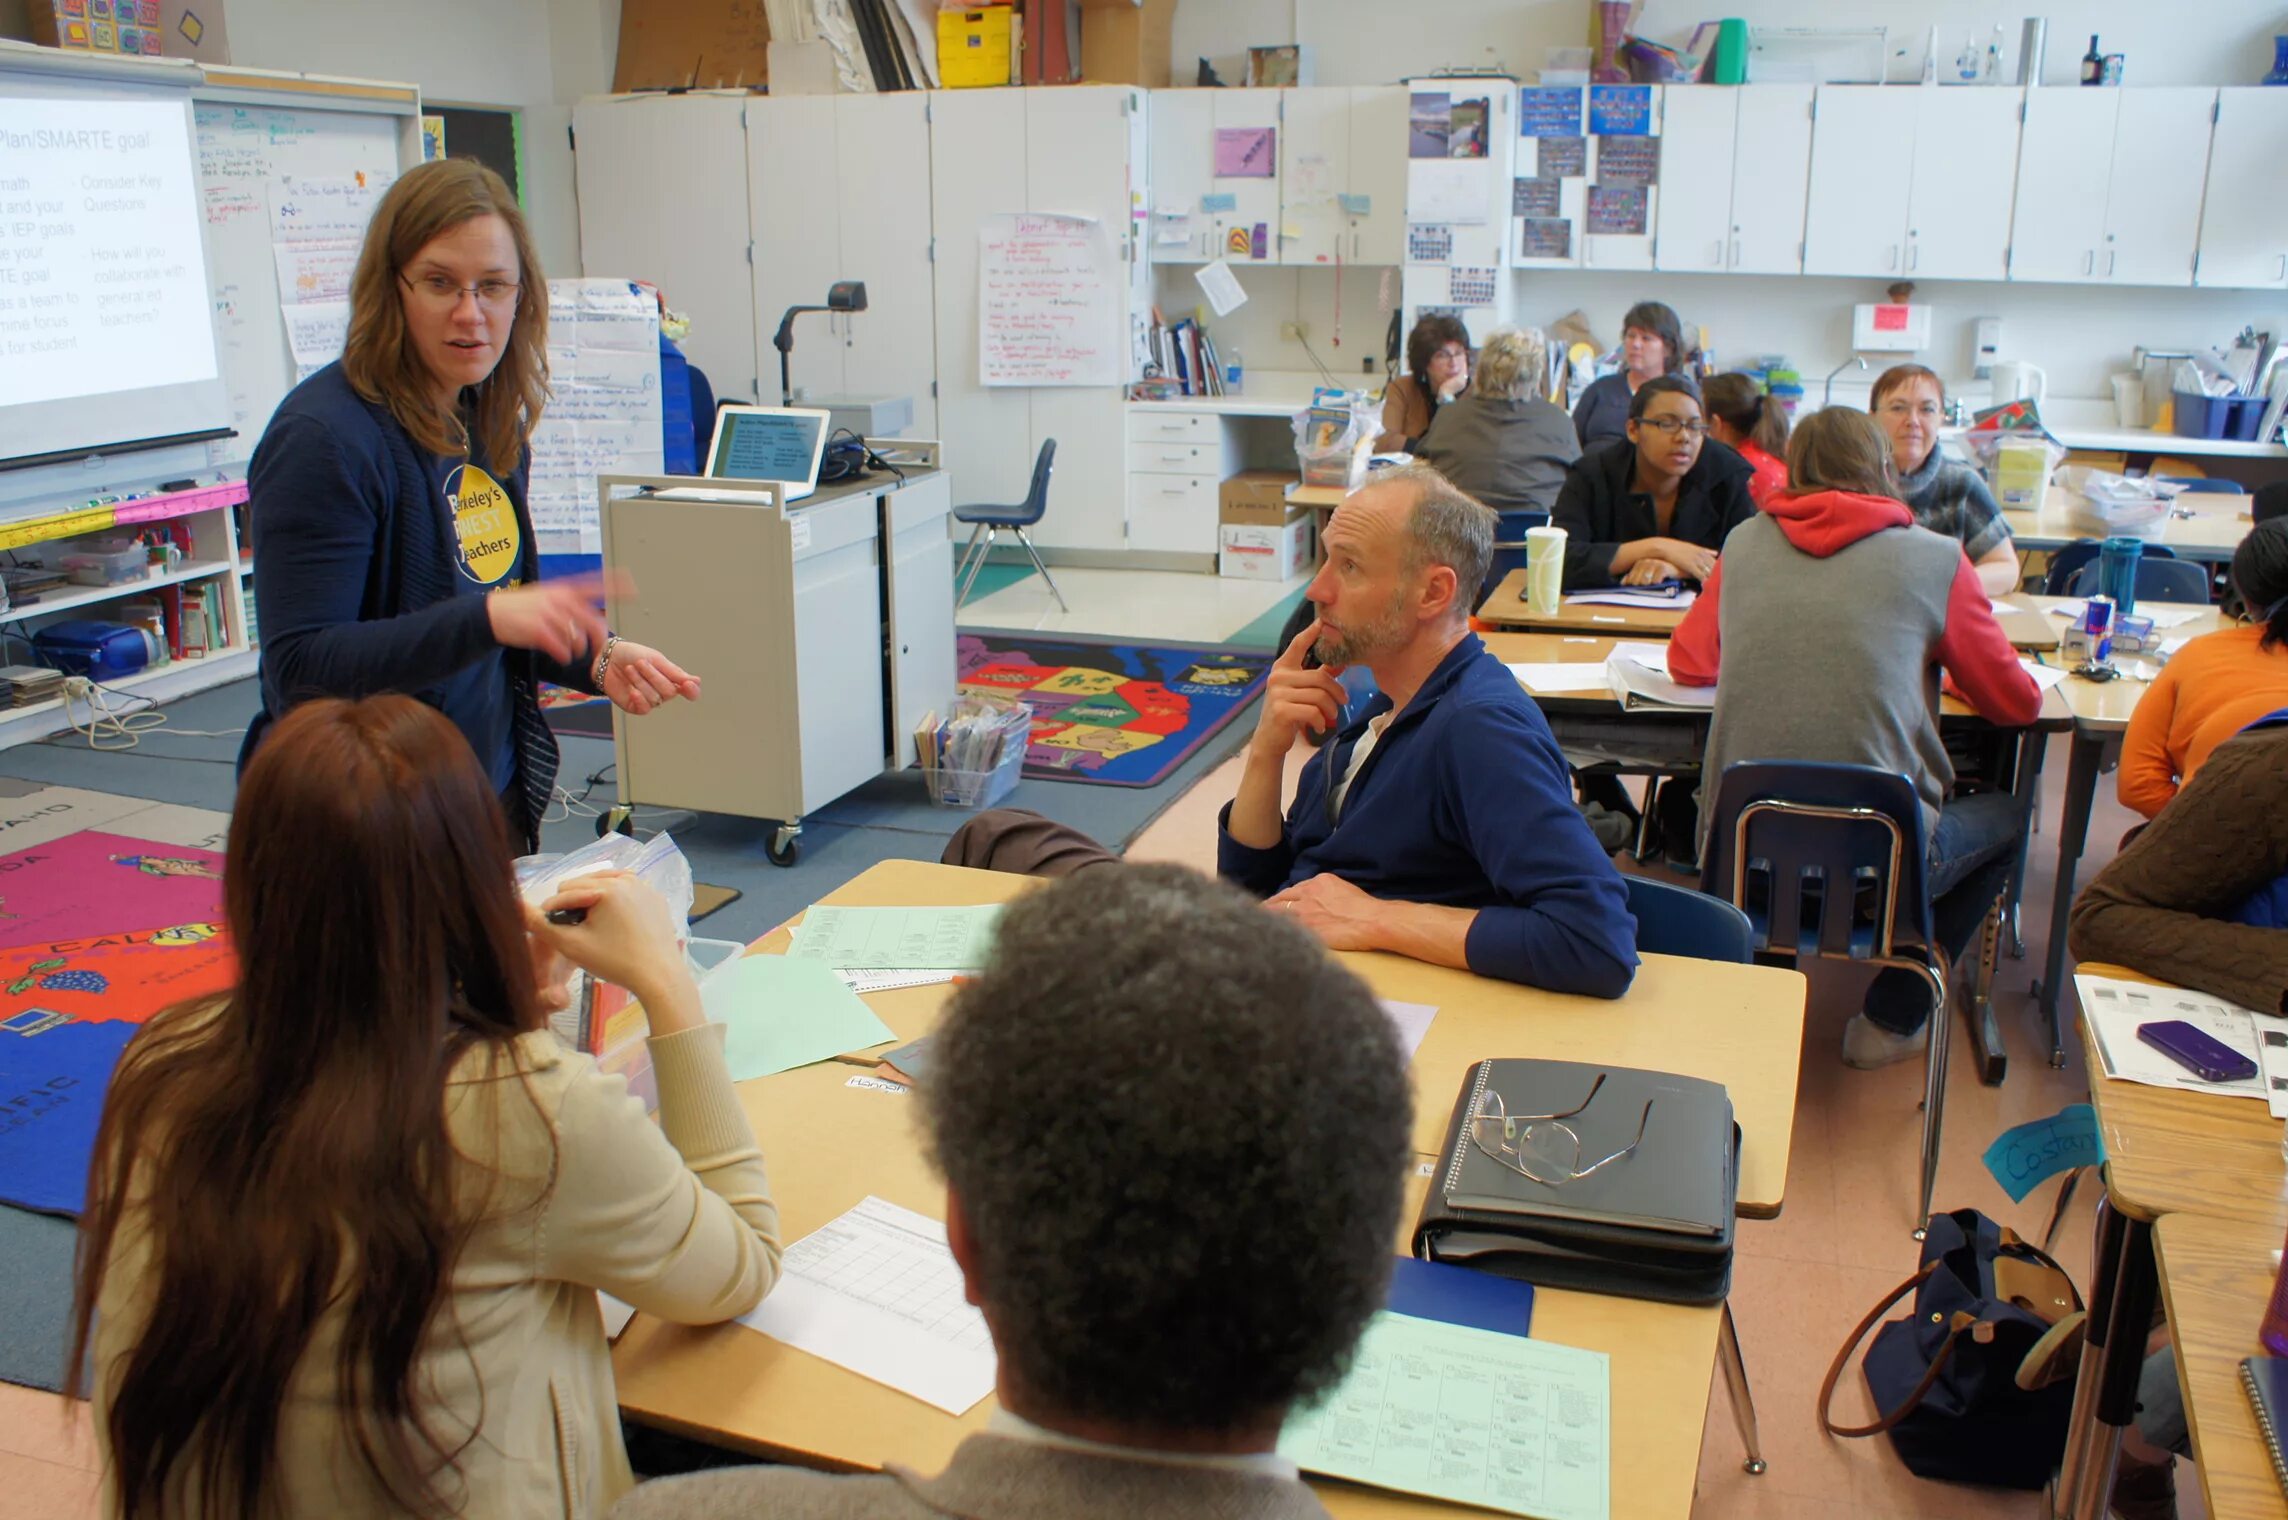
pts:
[1675, 920]
[2083, 551]
[1805, 849]
[986, 523]
[1509, 545]
[2158, 580]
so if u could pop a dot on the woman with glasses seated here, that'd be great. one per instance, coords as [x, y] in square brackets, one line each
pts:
[393, 549]
[1946, 496]
[1437, 371]
[1655, 505]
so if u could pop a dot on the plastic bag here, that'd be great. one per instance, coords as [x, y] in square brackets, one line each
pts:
[1333, 437]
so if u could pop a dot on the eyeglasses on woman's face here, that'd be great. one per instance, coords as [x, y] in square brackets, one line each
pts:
[1670, 427]
[445, 292]
[1450, 358]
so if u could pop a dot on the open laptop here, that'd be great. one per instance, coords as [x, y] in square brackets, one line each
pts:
[782, 444]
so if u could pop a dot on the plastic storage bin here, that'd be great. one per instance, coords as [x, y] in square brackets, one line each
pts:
[2234, 418]
[974, 47]
[1009, 728]
[106, 564]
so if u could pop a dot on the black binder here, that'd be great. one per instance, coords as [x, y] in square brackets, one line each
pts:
[1656, 1224]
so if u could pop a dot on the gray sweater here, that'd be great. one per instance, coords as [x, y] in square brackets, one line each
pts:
[1509, 454]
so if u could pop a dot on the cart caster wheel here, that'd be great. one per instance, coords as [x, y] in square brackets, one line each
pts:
[1754, 1467]
[784, 849]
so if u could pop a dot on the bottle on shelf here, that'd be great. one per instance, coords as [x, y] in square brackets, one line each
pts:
[2093, 64]
[1993, 73]
[1966, 61]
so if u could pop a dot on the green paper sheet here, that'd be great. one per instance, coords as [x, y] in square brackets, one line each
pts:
[1468, 1415]
[784, 1013]
[896, 939]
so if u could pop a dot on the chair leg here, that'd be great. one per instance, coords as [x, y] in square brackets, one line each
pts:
[1026, 539]
[977, 564]
[961, 566]
[1736, 1384]
[1934, 1087]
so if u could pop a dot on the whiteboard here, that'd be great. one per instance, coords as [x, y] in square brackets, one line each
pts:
[1048, 301]
[250, 155]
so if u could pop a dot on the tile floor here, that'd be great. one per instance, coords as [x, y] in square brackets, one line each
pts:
[1802, 1280]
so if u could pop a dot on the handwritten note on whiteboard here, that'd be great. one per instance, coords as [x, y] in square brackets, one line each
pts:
[1047, 311]
[604, 406]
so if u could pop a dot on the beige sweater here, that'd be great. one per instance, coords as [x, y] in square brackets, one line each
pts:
[675, 1218]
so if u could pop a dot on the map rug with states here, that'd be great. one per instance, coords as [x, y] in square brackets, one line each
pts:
[1112, 713]
[98, 931]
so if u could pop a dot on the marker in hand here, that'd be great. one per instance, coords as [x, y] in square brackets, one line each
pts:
[565, 918]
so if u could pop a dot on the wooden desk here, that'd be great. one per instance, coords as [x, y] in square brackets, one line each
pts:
[2025, 624]
[2217, 524]
[2100, 711]
[2215, 1277]
[830, 1145]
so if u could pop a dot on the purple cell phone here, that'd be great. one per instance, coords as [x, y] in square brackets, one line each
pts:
[2197, 1051]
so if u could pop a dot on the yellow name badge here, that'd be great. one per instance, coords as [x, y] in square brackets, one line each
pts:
[489, 542]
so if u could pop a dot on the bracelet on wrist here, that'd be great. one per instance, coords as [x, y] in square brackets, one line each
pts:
[604, 659]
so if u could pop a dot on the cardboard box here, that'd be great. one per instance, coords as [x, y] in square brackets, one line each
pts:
[698, 44]
[977, 48]
[1258, 498]
[802, 68]
[1249, 552]
[1127, 42]
[133, 28]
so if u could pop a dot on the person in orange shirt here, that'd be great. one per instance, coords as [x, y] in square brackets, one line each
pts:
[1754, 425]
[2217, 684]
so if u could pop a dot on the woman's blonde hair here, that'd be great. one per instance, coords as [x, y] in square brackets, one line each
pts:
[379, 360]
[1839, 448]
[1513, 364]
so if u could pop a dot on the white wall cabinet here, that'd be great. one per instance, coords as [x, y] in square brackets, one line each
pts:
[2105, 192]
[1912, 181]
[1076, 150]
[1217, 214]
[1694, 230]
[1735, 169]
[802, 151]
[638, 222]
[1342, 175]
[2244, 218]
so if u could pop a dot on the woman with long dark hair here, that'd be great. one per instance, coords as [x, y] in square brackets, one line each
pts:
[393, 550]
[346, 1222]
[1437, 370]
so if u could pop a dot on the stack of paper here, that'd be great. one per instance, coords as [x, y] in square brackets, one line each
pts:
[1640, 679]
[2114, 1009]
[896, 939]
[1623, 596]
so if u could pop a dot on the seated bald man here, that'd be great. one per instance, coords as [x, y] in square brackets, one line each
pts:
[1440, 822]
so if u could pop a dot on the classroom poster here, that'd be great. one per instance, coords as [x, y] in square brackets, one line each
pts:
[1467, 125]
[1563, 157]
[1617, 210]
[1471, 287]
[1620, 110]
[1628, 161]
[1549, 111]
[1246, 152]
[1046, 313]
[1545, 237]
[1429, 243]
[1535, 197]
[1428, 123]
[605, 412]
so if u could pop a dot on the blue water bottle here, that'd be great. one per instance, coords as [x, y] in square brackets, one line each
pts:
[2117, 571]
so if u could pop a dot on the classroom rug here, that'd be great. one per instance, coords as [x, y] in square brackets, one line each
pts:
[1111, 713]
[98, 931]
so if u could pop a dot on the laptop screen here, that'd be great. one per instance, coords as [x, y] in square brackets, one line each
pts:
[761, 444]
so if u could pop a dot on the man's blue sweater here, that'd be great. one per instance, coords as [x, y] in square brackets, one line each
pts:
[1465, 801]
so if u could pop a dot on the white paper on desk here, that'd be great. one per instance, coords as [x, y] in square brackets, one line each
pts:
[1221, 287]
[1469, 1415]
[1652, 654]
[2115, 1009]
[1555, 678]
[2045, 676]
[2272, 1062]
[1411, 1021]
[878, 1292]
[1626, 598]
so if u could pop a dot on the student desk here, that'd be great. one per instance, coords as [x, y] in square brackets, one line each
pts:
[2101, 711]
[2170, 1156]
[2215, 1276]
[829, 1145]
[2212, 527]
[2026, 625]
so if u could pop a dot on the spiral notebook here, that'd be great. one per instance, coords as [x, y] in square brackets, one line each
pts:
[2266, 1379]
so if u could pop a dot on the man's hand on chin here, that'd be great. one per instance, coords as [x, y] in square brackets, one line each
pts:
[1344, 917]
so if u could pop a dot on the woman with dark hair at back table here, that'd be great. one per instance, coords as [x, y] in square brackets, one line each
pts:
[1437, 370]
[1947, 496]
[2217, 684]
[1656, 504]
[346, 1222]
[1652, 345]
[393, 550]
[1752, 425]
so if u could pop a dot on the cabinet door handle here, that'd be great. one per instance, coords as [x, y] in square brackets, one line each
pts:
[1891, 259]
[2281, 273]
[1716, 259]
[1914, 254]
[1735, 253]
[2109, 263]
[2088, 260]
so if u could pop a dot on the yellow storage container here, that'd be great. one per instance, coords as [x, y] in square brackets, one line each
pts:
[976, 47]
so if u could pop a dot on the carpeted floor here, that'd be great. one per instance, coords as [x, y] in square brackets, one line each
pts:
[890, 818]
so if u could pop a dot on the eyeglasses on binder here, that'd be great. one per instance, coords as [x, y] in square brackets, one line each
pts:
[1543, 1148]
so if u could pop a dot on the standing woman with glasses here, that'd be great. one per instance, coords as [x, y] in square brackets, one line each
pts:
[1946, 496]
[1655, 505]
[393, 548]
